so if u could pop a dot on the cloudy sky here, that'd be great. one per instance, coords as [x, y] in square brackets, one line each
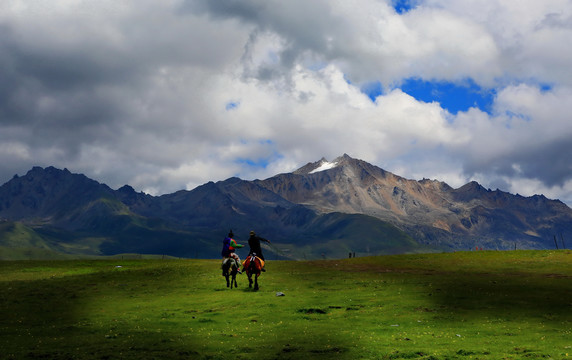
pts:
[167, 95]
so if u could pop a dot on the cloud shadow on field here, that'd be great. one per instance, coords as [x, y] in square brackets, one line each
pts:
[473, 294]
[62, 317]
[485, 291]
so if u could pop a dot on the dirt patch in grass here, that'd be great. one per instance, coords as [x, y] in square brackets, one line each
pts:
[329, 350]
[313, 311]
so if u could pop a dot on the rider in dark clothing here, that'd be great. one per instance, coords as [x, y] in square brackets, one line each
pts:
[254, 243]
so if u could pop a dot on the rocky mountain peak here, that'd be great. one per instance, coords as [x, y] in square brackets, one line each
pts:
[346, 162]
[41, 190]
[314, 167]
[470, 191]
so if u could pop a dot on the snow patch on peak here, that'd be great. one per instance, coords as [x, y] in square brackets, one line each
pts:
[324, 165]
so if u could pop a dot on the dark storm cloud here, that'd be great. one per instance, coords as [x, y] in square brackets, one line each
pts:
[305, 28]
[56, 97]
[550, 163]
[109, 89]
[547, 162]
[55, 89]
[53, 99]
[249, 11]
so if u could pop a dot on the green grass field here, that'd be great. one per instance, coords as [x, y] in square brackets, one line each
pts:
[464, 305]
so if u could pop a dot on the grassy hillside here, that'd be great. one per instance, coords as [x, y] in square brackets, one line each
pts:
[465, 305]
[14, 234]
[19, 242]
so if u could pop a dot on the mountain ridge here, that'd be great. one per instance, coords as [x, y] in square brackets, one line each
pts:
[424, 208]
[302, 211]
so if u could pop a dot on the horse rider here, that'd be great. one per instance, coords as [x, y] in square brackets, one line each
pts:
[229, 245]
[254, 244]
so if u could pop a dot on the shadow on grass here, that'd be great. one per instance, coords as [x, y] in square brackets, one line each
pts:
[82, 316]
[74, 317]
[539, 296]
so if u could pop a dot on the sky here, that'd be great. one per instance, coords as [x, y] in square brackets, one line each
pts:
[168, 95]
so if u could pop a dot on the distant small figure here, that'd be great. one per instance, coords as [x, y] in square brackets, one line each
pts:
[350, 255]
[354, 254]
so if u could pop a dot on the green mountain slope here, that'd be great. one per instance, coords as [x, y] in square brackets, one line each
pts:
[19, 242]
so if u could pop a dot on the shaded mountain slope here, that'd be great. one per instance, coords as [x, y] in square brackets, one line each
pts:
[322, 209]
[70, 213]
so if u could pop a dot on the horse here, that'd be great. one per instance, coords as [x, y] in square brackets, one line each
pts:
[253, 266]
[229, 269]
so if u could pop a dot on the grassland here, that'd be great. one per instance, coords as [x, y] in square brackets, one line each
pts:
[465, 305]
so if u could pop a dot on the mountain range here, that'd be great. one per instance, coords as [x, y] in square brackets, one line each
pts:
[325, 209]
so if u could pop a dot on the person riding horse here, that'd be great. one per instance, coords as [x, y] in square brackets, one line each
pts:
[254, 244]
[253, 267]
[229, 245]
[229, 270]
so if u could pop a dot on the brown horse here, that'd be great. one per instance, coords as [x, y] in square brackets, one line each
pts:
[229, 270]
[253, 266]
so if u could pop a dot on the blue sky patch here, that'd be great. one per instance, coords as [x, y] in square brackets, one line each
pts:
[231, 105]
[403, 6]
[372, 89]
[264, 160]
[453, 97]
[545, 87]
[259, 163]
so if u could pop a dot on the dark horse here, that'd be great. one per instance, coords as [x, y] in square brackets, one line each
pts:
[229, 269]
[253, 266]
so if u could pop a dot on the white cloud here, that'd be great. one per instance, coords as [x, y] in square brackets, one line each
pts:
[138, 92]
[533, 37]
